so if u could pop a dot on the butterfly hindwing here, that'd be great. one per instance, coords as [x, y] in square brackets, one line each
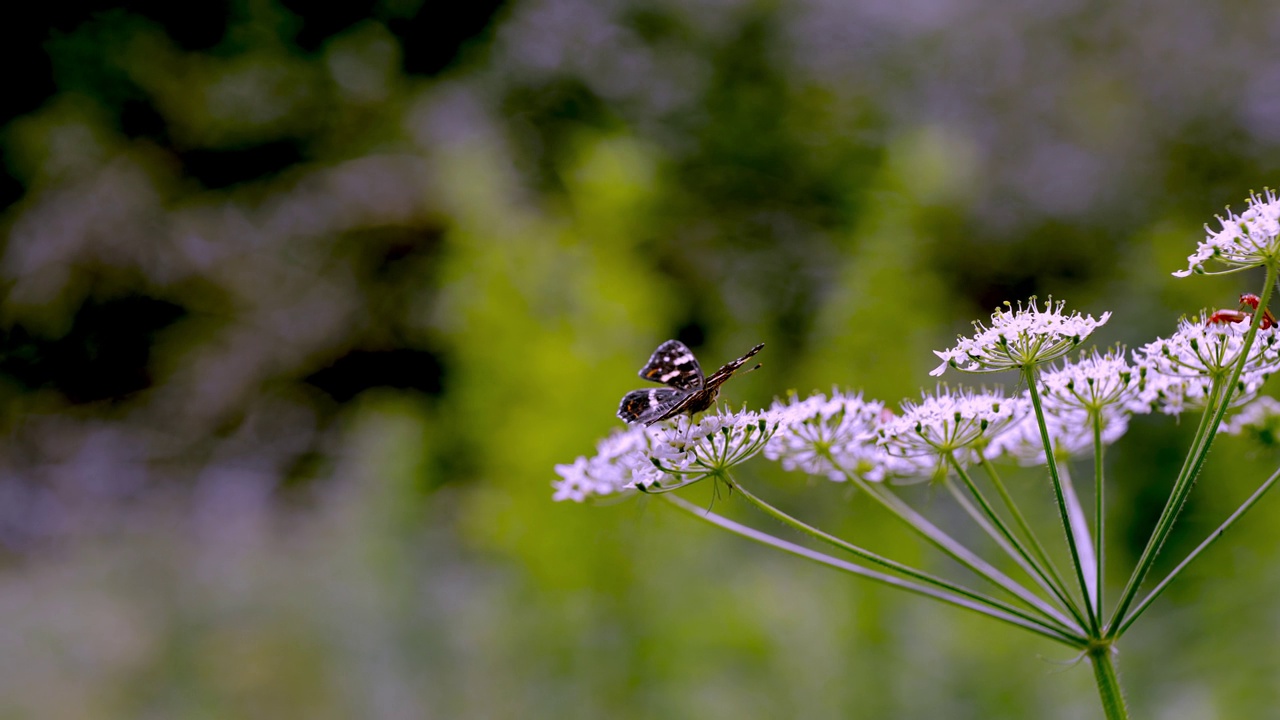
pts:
[651, 405]
[674, 365]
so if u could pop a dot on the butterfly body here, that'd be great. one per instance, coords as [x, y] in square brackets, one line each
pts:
[687, 390]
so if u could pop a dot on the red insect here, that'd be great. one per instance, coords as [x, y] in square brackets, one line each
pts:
[1235, 316]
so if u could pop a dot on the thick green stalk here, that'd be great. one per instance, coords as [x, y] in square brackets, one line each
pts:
[1104, 672]
[887, 563]
[1071, 640]
[1191, 469]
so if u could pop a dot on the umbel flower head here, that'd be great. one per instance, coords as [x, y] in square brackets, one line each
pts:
[949, 421]
[1247, 240]
[1070, 432]
[665, 456]
[1175, 395]
[1096, 387]
[683, 452]
[1179, 373]
[834, 437]
[1019, 338]
[1091, 383]
[1203, 349]
[610, 470]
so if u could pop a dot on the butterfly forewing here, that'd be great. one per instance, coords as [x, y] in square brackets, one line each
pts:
[674, 365]
[727, 370]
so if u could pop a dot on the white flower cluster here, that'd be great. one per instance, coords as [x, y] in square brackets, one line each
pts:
[609, 471]
[1200, 348]
[949, 421]
[1173, 395]
[1247, 240]
[1098, 385]
[668, 455]
[832, 436]
[1178, 372]
[1019, 338]
[689, 451]
[1090, 383]
[1070, 431]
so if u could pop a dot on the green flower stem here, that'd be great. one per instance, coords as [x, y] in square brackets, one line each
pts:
[1029, 374]
[1213, 537]
[1104, 672]
[1068, 639]
[1191, 468]
[958, 552]
[1098, 507]
[999, 532]
[1036, 547]
[885, 562]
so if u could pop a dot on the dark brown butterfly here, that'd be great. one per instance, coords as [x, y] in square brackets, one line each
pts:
[686, 391]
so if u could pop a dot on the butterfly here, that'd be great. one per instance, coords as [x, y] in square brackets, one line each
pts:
[686, 391]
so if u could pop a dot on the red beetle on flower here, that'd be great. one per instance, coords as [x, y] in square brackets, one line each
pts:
[1235, 316]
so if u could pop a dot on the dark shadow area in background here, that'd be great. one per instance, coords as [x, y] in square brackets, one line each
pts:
[104, 356]
[360, 370]
[431, 41]
[106, 352]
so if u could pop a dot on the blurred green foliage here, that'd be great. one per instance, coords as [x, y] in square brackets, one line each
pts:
[300, 316]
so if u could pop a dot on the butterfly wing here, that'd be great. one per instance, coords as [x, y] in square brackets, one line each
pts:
[674, 365]
[650, 406]
[727, 370]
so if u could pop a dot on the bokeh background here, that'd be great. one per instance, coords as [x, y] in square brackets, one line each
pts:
[301, 306]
